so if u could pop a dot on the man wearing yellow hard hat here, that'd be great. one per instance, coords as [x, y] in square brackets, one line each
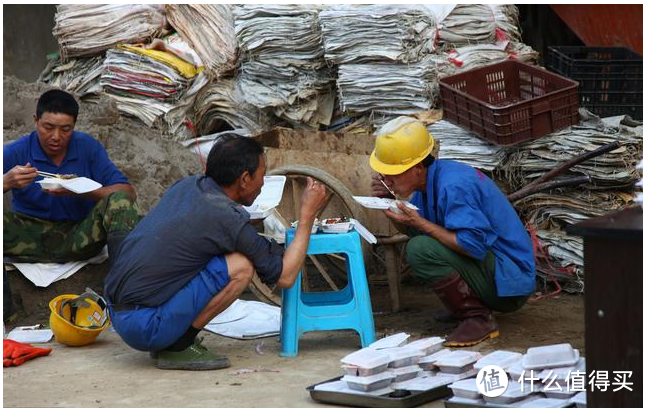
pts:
[468, 241]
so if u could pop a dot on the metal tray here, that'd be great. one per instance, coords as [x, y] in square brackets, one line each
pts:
[408, 400]
[448, 404]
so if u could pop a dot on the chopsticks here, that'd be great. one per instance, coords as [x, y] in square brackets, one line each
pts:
[46, 174]
[388, 188]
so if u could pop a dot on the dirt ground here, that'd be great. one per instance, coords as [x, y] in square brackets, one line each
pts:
[109, 374]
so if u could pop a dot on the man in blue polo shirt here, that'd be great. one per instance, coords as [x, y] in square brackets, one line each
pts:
[57, 225]
[469, 242]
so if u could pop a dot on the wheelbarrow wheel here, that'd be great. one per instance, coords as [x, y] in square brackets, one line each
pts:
[321, 272]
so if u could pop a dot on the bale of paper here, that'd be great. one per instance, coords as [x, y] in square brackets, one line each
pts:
[142, 84]
[209, 30]
[221, 104]
[81, 76]
[283, 69]
[89, 29]
[354, 34]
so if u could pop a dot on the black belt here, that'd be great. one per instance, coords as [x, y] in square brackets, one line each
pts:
[123, 307]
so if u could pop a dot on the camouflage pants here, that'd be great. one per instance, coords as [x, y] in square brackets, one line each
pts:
[31, 239]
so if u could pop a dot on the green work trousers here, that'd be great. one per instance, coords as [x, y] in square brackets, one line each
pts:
[431, 260]
[30, 239]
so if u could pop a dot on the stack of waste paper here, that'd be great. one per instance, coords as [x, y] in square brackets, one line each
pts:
[283, 69]
[79, 75]
[89, 29]
[382, 53]
[209, 30]
[145, 83]
[612, 175]
[220, 105]
[466, 24]
[459, 144]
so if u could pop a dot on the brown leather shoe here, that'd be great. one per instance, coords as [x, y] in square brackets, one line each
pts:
[476, 320]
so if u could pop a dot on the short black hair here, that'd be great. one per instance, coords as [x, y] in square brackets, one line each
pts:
[428, 160]
[232, 155]
[57, 101]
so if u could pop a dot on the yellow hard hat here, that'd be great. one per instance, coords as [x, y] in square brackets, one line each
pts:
[400, 144]
[78, 320]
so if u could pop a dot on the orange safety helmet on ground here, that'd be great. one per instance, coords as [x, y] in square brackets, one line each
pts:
[401, 143]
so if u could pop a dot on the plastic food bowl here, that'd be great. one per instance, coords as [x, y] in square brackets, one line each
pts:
[365, 362]
[405, 373]
[457, 362]
[500, 358]
[402, 357]
[466, 389]
[427, 345]
[337, 225]
[428, 362]
[50, 183]
[556, 355]
[370, 383]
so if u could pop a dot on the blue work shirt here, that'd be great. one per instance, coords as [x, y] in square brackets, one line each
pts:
[462, 199]
[85, 157]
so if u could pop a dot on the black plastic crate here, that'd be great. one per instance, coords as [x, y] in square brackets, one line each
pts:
[610, 78]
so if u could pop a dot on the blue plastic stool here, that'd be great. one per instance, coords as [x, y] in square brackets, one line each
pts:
[349, 308]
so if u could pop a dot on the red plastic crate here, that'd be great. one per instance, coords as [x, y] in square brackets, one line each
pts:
[510, 102]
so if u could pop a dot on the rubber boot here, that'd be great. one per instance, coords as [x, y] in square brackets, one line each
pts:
[444, 316]
[115, 239]
[476, 320]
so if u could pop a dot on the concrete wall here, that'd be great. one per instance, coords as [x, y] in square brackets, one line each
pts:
[27, 39]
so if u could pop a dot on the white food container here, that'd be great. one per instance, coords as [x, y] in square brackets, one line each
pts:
[421, 384]
[333, 226]
[269, 198]
[545, 403]
[378, 203]
[516, 370]
[365, 362]
[405, 373]
[342, 386]
[513, 393]
[560, 375]
[466, 389]
[394, 340]
[428, 345]
[580, 400]
[50, 183]
[370, 383]
[556, 355]
[428, 363]
[315, 226]
[457, 362]
[402, 357]
[500, 358]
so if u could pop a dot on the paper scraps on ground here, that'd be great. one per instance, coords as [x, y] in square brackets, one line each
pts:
[30, 334]
[44, 274]
[247, 319]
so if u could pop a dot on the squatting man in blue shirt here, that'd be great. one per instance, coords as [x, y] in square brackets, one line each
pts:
[193, 254]
[57, 225]
[467, 240]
